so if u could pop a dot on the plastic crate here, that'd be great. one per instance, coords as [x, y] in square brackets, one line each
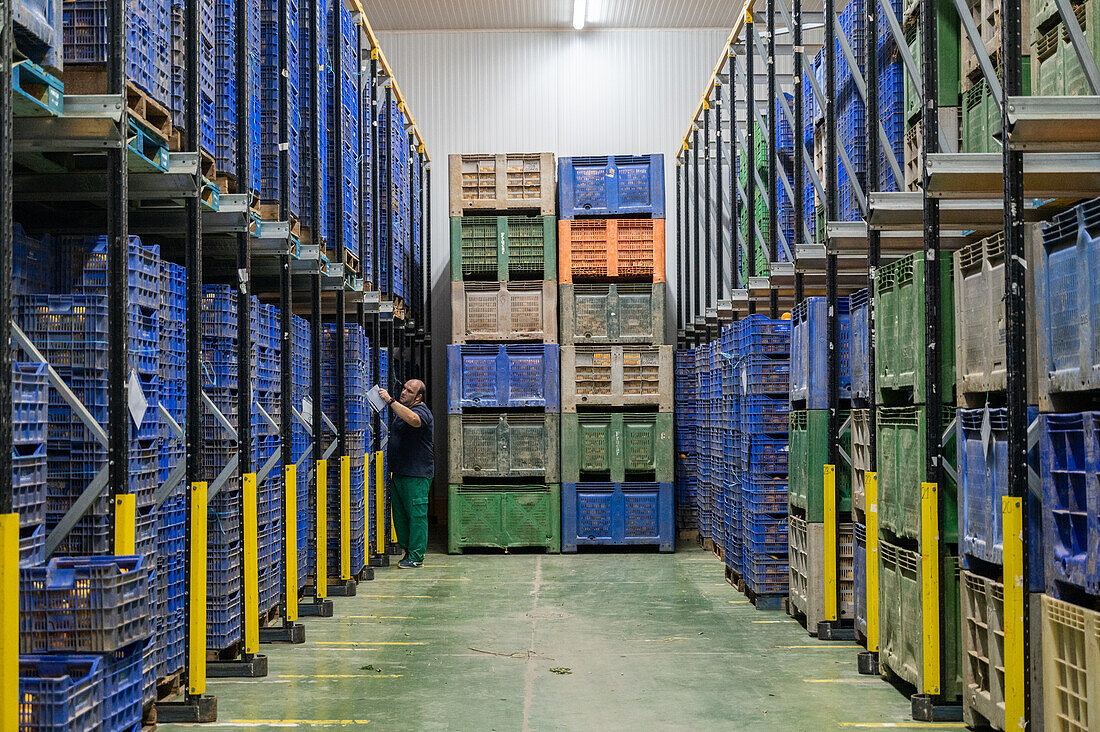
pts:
[598, 446]
[123, 687]
[616, 376]
[503, 376]
[504, 516]
[760, 335]
[501, 248]
[899, 330]
[1070, 471]
[983, 476]
[809, 352]
[625, 185]
[613, 313]
[902, 618]
[807, 570]
[599, 250]
[860, 344]
[504, 445]
[506, 182]
[763, 414]
[504, 311]
[859, 579]
[1071, 665]
[60, 692]
[1067, 295]
[765, 574]
[89, 604]
[617, 514]
[764, 375]
[808, 455]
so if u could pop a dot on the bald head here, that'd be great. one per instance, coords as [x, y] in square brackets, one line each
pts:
[413, 392]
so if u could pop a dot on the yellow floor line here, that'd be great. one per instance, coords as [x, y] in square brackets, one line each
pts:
[738, 602]
[286, 722]
[372, 643]
[823, 645]
[378, 617]
[774, 621]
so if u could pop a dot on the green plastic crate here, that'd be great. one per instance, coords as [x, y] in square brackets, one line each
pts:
[899, 331]
[503, 248]
[616, 447]
[504, 517]
[901, 629]
[981, 117]
[902, 465]
[1059, 70]
[808, 452]
[947, 59]
[760, 150]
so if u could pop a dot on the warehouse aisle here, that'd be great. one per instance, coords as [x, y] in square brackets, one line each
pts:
[472, 643]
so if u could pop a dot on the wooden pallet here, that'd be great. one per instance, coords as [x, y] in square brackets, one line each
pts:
[351, 262]
[688, 535]
[232, 651]
[170, 686]
[732, 577]
[271, 616]
[92, 79]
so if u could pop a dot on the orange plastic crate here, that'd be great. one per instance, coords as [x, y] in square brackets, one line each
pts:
[597, 250]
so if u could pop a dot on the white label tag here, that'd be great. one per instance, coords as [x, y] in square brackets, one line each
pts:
[135, 400]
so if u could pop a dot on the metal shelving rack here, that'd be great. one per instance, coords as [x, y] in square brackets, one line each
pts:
[223, 243]
[1046, 164]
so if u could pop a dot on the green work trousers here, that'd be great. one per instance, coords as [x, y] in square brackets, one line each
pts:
[410, 513]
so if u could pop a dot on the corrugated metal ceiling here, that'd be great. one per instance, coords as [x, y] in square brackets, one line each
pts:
[406, 15]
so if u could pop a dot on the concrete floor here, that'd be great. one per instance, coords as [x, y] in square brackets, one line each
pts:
[652, 642]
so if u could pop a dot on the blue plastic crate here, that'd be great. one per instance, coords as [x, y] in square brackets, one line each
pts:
[983, 482]
[809, 352]
[60, 692]
[612, 186]
[1067, 296]
[763, 533]
[860, 344]
[765, 494]
[763, 454]
[764, 375]
[617, 514]
[29, 387]
[762, 335]
[765, 574]
[784, 133]
[123, 682]
[88, 604]
[38, 31]
[1070, 471]
[519, 375]
[763, 414]
[32, 266]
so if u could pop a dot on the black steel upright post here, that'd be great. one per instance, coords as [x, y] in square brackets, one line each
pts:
[317, 180]
[698, 306]
[799, 143]
[735, 198]
[376, 260]
[773, 160]
[681, 262]
[719, 208]
[750, 153]
[933, 341]
[704, 220]
[1015, 258]
[336, 152]
[873, 236]
[6, 43]
[118, 310]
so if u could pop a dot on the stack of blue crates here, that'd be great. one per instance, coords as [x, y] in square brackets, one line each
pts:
[227, 47]
[270, 112]
[417, 253]
[709, 441]
[207, 82]
[891, 102]
[219, 376]
[84, 623]
[851, 113]
[30, 408]
[729, 349]
[148, 41]
[301, 376]
[266, 442]
[764, 346]
[349, 117]
[395, 182]
[686, 401]
[356, 417]
[171, 516]
[310, 78]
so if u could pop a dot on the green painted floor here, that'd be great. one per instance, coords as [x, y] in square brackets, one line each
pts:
[651, 642]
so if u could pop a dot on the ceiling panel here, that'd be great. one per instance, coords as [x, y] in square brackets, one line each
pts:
[408, 15]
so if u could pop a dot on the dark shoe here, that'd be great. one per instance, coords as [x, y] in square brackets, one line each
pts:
[409, 564]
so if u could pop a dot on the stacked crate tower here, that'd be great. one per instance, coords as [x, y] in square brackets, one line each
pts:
[808, 455]
[901, 423]
[686, 400]
[617, 431]
[503, 396]
[1067, 306]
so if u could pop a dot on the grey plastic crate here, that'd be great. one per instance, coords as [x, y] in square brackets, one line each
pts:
[980, 319]
[613, 313]
[504, 445]
[504, 311]
[862, 456]
[616, 376]
[807, 575]
[983, 642]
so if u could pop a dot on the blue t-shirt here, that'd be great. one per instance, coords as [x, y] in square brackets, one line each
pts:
[412, 449]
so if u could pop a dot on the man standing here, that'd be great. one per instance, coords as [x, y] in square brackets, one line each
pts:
[412, 465]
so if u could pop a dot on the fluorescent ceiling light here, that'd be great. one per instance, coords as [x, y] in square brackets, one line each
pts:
[579, 8]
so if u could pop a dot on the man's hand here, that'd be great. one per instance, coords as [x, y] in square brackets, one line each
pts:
[385, 395]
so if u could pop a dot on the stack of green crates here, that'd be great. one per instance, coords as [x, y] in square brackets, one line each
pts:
[902, 424]
[759, 209]
[1058, 71]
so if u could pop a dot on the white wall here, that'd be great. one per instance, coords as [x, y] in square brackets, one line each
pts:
[588, 93]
